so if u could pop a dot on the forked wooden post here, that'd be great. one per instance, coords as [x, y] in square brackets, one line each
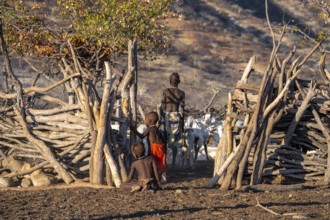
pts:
[101, 126]
[113, 166]
[132, 62]
[228, 126]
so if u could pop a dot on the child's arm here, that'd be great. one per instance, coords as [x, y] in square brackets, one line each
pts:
[131, 174]
[145, 133]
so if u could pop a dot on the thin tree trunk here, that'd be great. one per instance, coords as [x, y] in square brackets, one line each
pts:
[101, 125]
[132, 62]
[113, 166]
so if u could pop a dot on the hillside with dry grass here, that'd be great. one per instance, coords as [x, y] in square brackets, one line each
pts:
[213, 40]
[211, 43]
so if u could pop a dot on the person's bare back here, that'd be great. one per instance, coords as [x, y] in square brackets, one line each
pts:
[146, 170]
[173, 100]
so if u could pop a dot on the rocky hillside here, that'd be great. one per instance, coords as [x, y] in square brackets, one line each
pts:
[211, 43]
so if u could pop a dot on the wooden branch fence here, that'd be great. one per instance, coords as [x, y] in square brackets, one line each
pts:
[286, 124]
[286, 127]
[73, 139]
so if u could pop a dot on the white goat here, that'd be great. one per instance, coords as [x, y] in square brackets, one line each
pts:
[216, 131]
[203, 132]
[198, 132]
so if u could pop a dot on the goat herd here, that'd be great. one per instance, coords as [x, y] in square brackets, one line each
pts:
[201, 139]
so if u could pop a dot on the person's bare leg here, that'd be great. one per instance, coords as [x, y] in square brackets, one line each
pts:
[136, 188]
[128, 186]
[174, 153]
[179, 156]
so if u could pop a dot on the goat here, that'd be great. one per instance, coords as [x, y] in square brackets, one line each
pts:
[198, 133]
[216, 131]
[203, 132]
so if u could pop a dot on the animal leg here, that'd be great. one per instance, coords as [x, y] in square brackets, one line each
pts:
[206, 154]
[180, 157]
[196, 151]
[196, 147]
[191, 158]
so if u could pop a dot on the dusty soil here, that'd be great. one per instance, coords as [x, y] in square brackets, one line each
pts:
[212, 43]
[184, 197]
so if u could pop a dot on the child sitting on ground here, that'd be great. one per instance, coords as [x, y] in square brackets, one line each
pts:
[155, 142]
[145, 167]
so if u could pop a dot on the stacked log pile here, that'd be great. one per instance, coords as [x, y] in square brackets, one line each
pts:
[286, 126]
[74, 138]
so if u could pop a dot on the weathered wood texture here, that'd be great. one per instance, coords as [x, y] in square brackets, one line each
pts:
[74, 137]
[287, 135]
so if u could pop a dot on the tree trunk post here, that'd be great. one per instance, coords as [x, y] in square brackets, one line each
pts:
[101, 124]
[132, 62]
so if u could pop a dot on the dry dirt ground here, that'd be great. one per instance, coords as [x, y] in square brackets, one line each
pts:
[184, 197]
[212, 43]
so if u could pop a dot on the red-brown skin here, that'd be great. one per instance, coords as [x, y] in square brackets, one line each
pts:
[173, 99]
[150, 132]
[145, 169]
[144, 166]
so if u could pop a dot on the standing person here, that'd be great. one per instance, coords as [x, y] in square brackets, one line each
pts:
[145, 167]
[156, 147]
[172, 106]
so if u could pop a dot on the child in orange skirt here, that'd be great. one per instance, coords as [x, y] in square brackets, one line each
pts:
[156, 145]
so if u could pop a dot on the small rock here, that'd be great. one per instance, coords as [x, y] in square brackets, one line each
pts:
[40, 179]
[14, 165]
[26, 182]
[26, 166]
[6, 182]
[4, 173]
[178, 191]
